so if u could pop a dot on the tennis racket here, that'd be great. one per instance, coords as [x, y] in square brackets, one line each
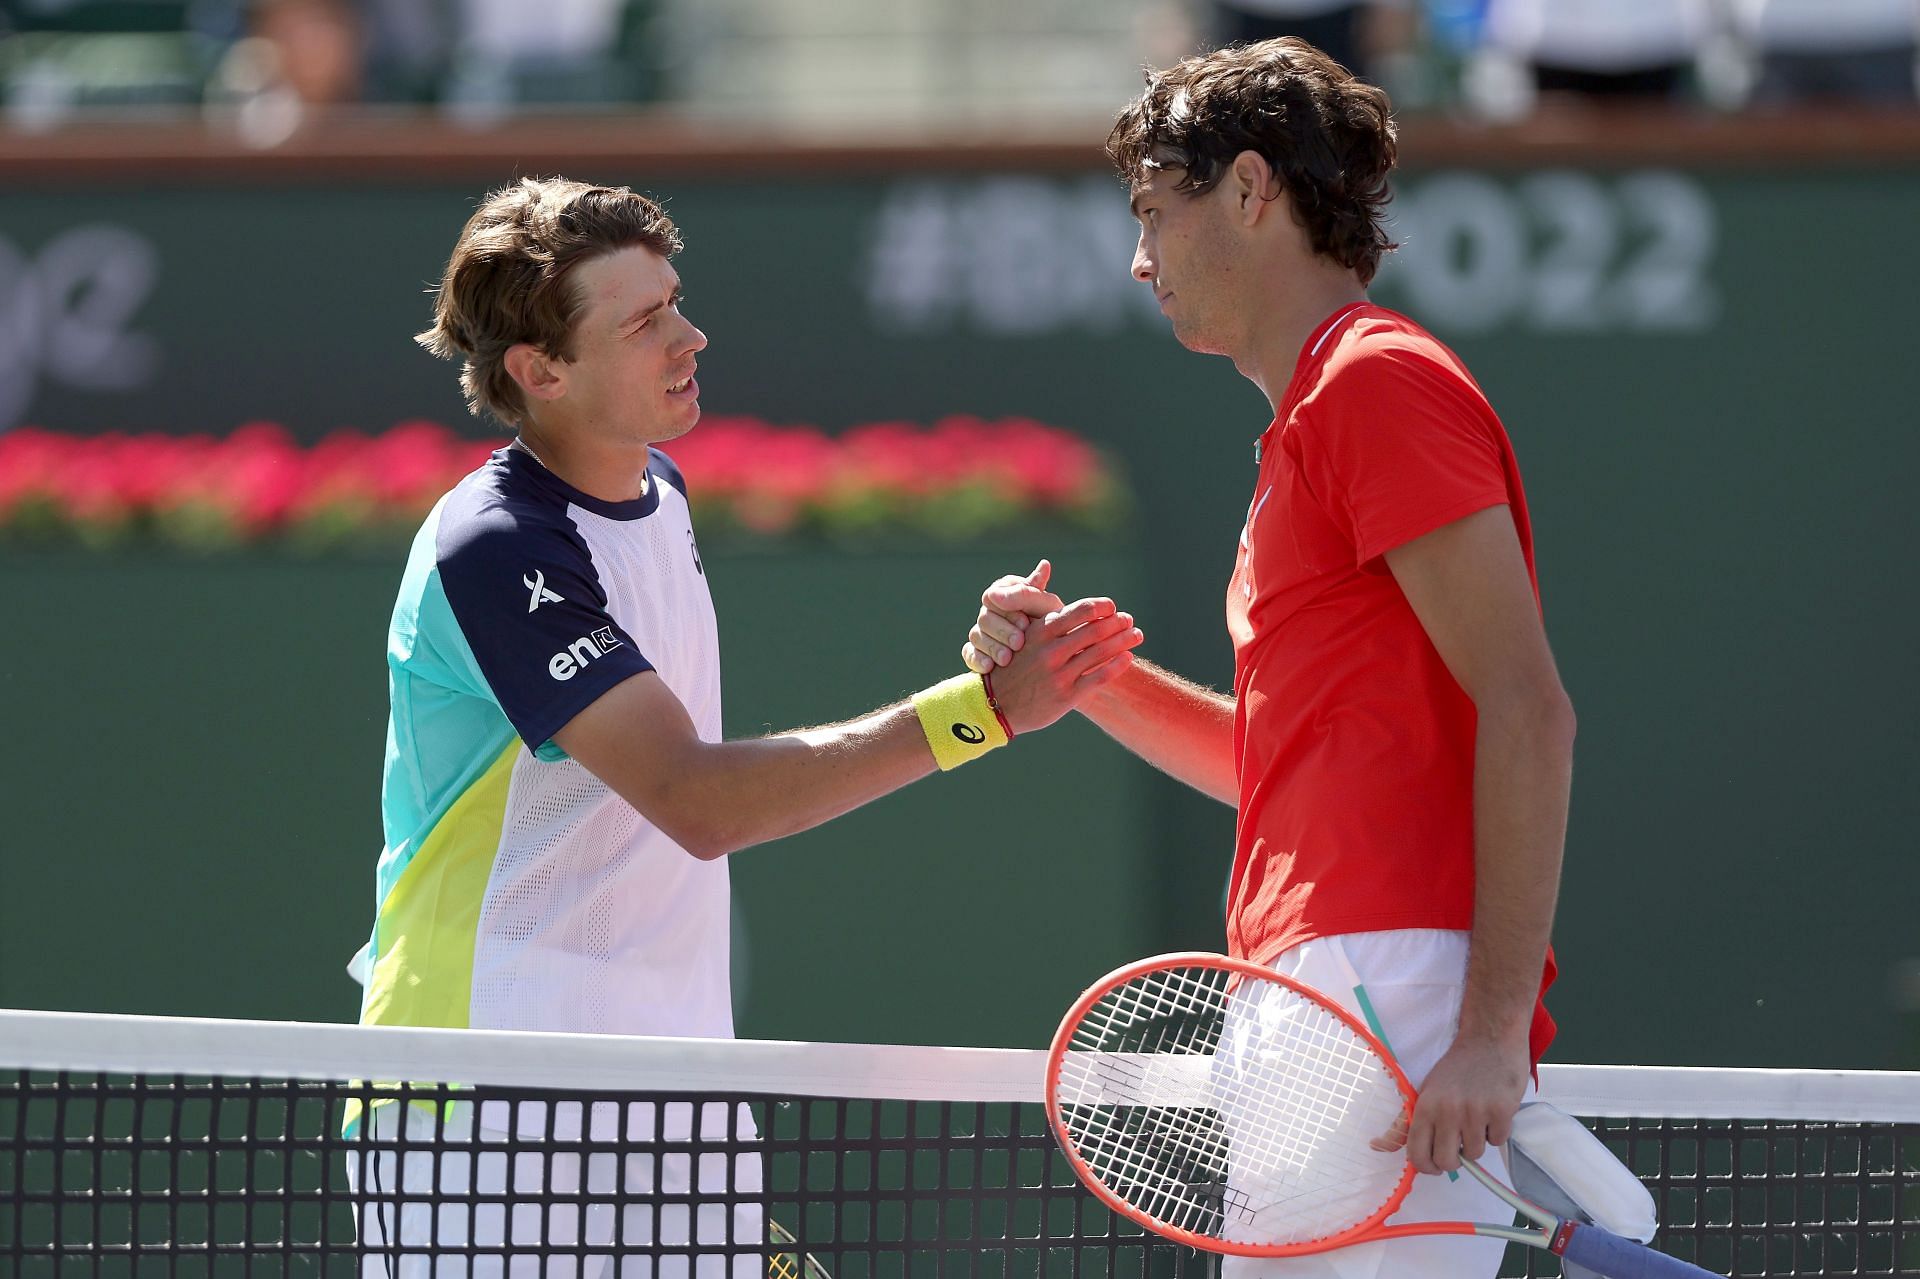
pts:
[791, 1265]
[1230, 1109]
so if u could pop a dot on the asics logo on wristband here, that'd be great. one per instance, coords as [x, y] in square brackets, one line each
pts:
[542, 594]
[956, 718]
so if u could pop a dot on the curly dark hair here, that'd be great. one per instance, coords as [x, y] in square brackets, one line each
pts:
[1329, 136]
[511, 277]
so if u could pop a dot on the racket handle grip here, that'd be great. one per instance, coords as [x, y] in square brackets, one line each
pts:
[1618, 1258]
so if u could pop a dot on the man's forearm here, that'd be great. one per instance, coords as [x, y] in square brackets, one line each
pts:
[735, 794]
[1523, 773]
[713, 798]
[1182, 729]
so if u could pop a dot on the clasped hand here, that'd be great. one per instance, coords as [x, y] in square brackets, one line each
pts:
[1043, 656]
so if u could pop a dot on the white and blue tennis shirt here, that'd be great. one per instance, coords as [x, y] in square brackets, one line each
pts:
[516, 890]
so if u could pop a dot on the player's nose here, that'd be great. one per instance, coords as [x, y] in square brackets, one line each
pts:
[1143, 264]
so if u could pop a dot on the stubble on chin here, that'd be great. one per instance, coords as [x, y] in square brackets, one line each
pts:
[674, 430]
[1198, 339]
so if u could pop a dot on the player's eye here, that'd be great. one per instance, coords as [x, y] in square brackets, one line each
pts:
[673, 304]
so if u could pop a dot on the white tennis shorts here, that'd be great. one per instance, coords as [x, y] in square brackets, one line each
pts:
[487, 1189]
[1404, 985]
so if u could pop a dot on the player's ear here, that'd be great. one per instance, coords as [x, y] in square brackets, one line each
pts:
[539, 375]
[1256, 187]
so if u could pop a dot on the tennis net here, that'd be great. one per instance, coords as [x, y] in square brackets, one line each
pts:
[136, 1146]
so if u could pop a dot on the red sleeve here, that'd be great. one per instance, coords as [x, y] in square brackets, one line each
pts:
[1395, 444]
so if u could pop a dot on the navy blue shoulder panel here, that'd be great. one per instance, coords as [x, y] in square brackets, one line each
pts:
[521, 583]
[660, 466]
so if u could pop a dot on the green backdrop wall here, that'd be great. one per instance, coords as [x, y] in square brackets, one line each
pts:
[1706, 373]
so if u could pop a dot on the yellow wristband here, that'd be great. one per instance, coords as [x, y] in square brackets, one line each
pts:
[958, 720]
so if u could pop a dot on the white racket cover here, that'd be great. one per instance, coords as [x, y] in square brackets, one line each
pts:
[1220, 1104]
[1578, 1167]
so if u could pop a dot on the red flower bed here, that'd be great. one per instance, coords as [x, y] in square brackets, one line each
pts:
[957, 479]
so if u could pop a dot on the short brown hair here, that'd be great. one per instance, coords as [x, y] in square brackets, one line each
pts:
[510, 277]
[1329, 137]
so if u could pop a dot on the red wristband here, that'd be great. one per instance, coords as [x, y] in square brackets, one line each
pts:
[994, 702]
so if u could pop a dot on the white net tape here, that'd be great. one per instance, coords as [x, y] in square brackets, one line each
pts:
[1241, 1116]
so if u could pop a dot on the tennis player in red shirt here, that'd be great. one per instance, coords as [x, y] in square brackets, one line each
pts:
[1398, 744]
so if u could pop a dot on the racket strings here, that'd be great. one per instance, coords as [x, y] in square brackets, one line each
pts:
[1135, 1090]
[1302, 1097]
[1240, 1112]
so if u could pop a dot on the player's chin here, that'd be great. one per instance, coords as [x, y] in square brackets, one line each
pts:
[677, 424]
[1197, 339]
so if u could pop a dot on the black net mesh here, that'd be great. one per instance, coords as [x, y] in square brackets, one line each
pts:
[169, 1175]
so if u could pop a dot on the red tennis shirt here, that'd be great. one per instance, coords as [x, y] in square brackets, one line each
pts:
[1354, 744]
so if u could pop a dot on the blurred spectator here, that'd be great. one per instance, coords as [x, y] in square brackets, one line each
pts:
[1570, 51]
[1831, 50]
[59, 56]
[552, 30]
[267, 63]
[316, 47]
[298, 55]
[548, 51]
[409, 46]
[1372, 38]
